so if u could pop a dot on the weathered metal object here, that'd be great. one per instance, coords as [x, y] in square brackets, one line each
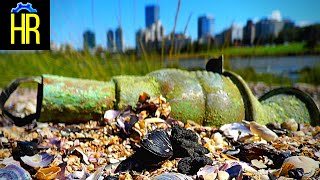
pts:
[208, 98]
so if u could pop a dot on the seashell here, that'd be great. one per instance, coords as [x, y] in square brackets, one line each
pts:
[296, 173]
[155, 148]
[78, 175]
[158, 143]
[290, 125]
[84, 157]
[235, 172]
[208, 172]
[97, 174]
[111, 115]
[143, 97]
[222, 175]
[235, 130]
[13, 171]
[47, 173]
[10, 160]
[258, 164]
[263, 132]
[308, 165]
[154, 120]
[38, 160]
[24, 149]
[171, 176]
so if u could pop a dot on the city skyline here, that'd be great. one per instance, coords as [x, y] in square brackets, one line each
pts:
[72, 28]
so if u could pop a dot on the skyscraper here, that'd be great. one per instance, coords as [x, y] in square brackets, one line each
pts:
[119, 40]
[249, 33]
[151, 15]
[205, 27]
[89, 40]
[110, 41]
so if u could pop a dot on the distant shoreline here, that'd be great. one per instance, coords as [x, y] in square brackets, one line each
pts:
[294, 49]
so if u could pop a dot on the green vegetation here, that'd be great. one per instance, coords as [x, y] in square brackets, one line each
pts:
[80, 65]
[274, 50]
[311, 75]
[249, 74]
[104, 66]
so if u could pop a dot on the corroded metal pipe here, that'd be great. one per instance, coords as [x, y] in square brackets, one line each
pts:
[208, 98]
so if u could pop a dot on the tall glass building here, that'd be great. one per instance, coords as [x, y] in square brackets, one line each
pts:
[152, 15]
[89, 40]
[205, 27]
[110, 41]
[119, 39]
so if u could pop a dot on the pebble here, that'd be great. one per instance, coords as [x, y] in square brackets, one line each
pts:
[307, 164]
[290, 125]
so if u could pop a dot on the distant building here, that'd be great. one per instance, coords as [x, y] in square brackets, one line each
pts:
[180, 42]
[119, 40]
[110, 41]
[205, 28]
[89, 40]
[151, 15]
[288, 24]
[236, 34]
[231, 36]
[150, 39]
[267, 29]
[249, 33]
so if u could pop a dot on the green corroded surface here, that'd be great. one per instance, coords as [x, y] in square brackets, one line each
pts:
[128, 89]
[75, 100]
[207, 98]
[283, 107]
[183, 92]
[223, 100]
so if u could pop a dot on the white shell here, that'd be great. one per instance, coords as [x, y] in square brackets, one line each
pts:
[232, 130]
[263, 132]
[258, 164]
[222, 175]
[307, 164]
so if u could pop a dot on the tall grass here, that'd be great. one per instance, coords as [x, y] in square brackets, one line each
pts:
[74, 64]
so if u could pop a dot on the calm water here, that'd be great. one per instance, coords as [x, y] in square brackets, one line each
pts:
[285, 66]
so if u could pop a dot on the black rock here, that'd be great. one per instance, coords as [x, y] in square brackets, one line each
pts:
[182, 133]
[191, 166]
[185, 143]
[296, 173]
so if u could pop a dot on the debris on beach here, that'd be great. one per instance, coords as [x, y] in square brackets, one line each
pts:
[144, 142]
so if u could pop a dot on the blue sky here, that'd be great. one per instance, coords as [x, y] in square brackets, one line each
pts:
[70, 18]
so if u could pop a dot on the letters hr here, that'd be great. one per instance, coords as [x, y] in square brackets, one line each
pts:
[25, 28]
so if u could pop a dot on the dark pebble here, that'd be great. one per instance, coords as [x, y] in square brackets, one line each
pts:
[182, 133]
[191, 166]
[296, 173]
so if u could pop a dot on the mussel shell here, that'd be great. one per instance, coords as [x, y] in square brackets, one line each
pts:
[172, 176]
[158, 143]
[13, 171]
[155, 148]
[24, 149]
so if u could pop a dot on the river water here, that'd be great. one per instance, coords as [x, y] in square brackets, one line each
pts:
[286, 66]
